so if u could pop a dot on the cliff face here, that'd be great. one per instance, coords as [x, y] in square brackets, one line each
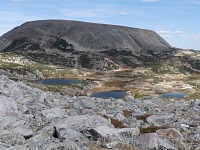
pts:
[86, 45]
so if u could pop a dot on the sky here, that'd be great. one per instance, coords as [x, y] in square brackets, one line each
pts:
[177, 21]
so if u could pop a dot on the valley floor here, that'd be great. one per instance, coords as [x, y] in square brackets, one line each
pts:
[141, 81]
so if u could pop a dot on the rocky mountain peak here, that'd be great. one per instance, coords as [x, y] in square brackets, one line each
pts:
[101, 45]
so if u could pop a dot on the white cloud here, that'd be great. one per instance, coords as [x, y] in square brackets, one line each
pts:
[6, 16]
[146, 1]
[196, 37]
[123, 13]
[98, 13]
[82, 13]
[167, 33]
[17, 1]
[180, 34]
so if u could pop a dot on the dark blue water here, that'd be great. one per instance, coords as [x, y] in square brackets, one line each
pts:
[178, 95]
[58, 81]
[114, 94]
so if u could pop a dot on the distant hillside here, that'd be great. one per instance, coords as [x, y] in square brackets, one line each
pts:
[86, 45]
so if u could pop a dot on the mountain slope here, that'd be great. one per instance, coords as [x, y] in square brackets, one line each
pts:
[85, 45]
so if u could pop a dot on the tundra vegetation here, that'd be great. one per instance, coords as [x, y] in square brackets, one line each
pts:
[156, 78]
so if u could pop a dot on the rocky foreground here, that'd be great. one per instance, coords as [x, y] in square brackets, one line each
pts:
[31, 119]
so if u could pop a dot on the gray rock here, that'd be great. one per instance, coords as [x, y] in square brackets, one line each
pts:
[174, 136]
[164, 144]
[53, 113]
[111, 145]
[138, 113]
[4, 146]
[18, 147]
[39, 142]
[129, 98]
[11, 138]
[155, 118]
[193, 136]
[108, 135]
[8, 122]
[72, 112]
[82, 122]
[68, 133]
[23, 130]
[7, 105]
[88, 104]
[103, 112]
[197, 105]
[170, 133]
[77, 106]
[120, 117]
[65, 145]
[148, 141]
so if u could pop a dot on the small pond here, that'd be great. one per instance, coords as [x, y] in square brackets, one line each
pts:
[178, 95]
[55, 81]
[107, 94]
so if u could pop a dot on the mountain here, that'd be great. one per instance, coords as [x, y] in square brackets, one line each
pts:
[86, 45]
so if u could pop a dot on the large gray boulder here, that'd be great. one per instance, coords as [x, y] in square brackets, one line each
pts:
[39, 141]
[23, 130]
[148, 141]
[88, 104]
[18, 147]
[72, 135]
[7, 105]
[174, 136]
[11, 138]
[65, 145]
[8, 122]
[160, 118]
[53, 113]
[152, 141]
[125, 135]
[82, 122]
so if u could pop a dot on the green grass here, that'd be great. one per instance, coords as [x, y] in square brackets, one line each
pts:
[16, 68]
